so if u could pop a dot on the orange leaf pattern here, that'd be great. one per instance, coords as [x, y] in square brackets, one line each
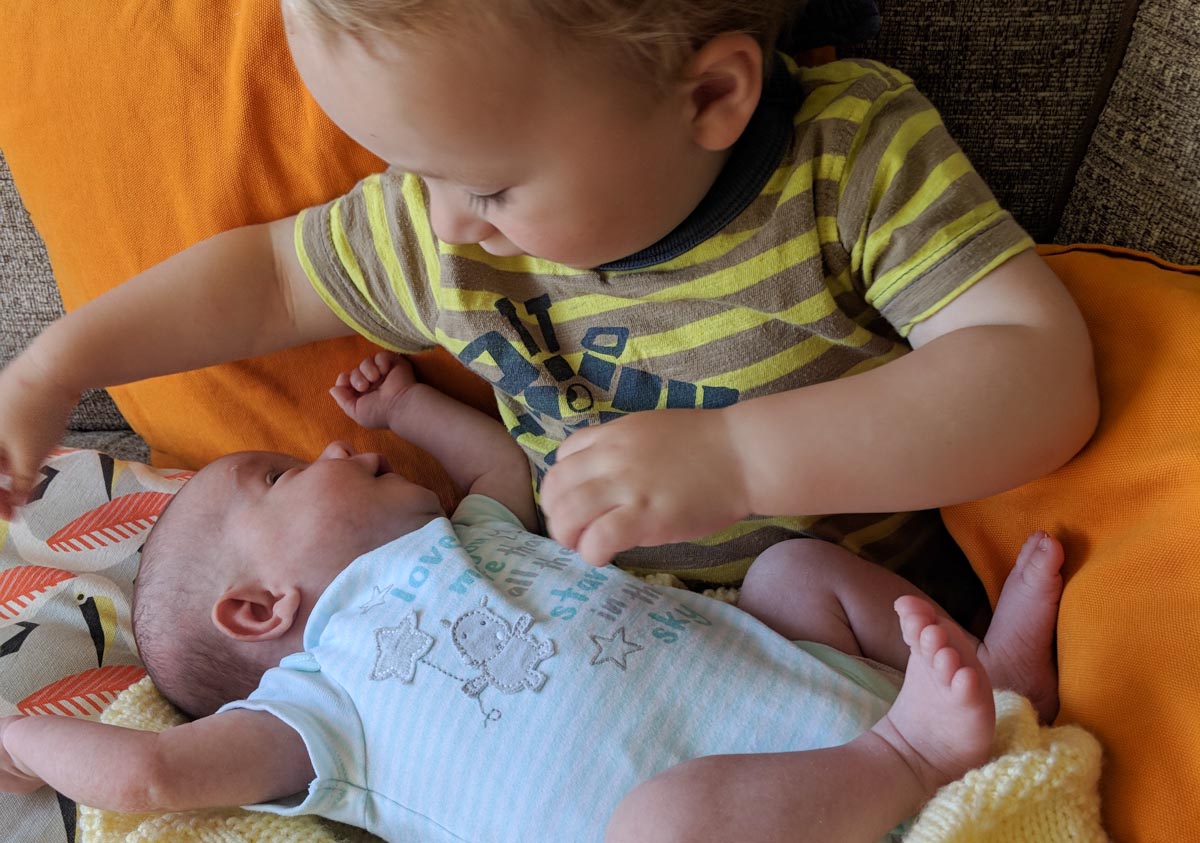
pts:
[64, 602]
[85, 694]
[21, 586]
[117, 520]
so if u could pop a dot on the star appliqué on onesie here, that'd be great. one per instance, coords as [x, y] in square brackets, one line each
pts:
[614, 648]
[398, 649]
[378, 596]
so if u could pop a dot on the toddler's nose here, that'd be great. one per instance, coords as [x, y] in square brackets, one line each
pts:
[454, 221]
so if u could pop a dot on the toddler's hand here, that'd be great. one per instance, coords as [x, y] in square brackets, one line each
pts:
[33, 418]
[647, 479]
[367, 393]
[12, 778]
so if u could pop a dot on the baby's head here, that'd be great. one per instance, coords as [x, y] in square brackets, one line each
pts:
[579, 131]
[237, 560]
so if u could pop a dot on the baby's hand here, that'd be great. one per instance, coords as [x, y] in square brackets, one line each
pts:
[368, 393]
[647, 479]
[12, 778]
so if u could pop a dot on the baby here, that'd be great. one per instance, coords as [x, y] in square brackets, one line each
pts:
[351, 652]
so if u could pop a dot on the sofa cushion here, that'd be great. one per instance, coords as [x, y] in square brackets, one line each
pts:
[1125, 510]
[1139, 185]
[136, 133]
[1016, 82]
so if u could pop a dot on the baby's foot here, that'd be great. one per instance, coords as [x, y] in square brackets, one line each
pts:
[943, 719]
[1018, 650]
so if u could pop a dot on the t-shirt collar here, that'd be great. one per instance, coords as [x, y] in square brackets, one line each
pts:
[753, 159]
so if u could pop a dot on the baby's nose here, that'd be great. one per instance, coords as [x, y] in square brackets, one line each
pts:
[337, 450]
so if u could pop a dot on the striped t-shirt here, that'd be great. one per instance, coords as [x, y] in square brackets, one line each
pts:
[870, 220]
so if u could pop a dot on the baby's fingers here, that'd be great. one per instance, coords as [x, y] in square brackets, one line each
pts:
[364, 381]
[372, 370]
[344, 395]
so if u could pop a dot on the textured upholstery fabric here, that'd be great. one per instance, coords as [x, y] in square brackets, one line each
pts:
[1139, 185]
[1016, 83]
[29, 301]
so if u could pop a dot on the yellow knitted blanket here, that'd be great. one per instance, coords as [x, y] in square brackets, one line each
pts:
[1040, 786]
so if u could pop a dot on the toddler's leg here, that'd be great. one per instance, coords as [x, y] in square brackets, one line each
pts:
[816, 591]
[939, 727]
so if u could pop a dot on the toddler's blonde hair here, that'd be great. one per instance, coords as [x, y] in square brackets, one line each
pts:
[659, 34]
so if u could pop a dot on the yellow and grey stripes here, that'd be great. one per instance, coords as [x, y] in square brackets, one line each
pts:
[873, 221]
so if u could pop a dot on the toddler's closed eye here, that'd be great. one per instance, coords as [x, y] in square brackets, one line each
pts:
[482, 202]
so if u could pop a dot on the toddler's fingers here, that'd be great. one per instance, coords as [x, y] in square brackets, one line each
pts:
[343, 379]
[609, 534]
[13, 494]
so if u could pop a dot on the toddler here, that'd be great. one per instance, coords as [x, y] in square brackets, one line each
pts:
[607, 207]
[351, 652]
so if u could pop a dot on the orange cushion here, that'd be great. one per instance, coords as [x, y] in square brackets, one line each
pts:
[136, 132]
[1127, 509]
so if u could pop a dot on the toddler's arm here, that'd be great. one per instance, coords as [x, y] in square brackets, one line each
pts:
[1000, 389]
[234, 758]
[239, 294]
[474, 448]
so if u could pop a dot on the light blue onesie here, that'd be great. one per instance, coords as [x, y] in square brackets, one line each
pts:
[473, 681]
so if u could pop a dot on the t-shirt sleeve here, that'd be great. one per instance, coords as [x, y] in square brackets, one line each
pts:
[326, 718]
[372, 257]
[918, 221]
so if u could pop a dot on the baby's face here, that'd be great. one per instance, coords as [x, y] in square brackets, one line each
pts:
[522, 149]
[307, 521]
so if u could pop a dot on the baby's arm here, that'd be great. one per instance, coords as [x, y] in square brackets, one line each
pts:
[233, 758]
[239, 294]
[1000, 389]
[474, 448]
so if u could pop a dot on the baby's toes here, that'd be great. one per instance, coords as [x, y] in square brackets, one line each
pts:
[914, 617]
[946, 663]
[933, 639]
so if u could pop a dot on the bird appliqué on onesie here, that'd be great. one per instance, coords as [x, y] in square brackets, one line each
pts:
[506, 655]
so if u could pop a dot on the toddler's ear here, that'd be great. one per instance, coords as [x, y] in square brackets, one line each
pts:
[254, 613]
[724, 81]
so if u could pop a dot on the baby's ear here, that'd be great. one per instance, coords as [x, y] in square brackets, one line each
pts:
[724, 80]
[251, 612]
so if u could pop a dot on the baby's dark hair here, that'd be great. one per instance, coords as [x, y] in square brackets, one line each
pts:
[659, 35]
[191, 662]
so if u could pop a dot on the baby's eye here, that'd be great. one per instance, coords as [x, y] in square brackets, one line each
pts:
[482, 202]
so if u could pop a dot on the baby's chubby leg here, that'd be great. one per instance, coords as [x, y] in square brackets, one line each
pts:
[939, 728]
[816, 591]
